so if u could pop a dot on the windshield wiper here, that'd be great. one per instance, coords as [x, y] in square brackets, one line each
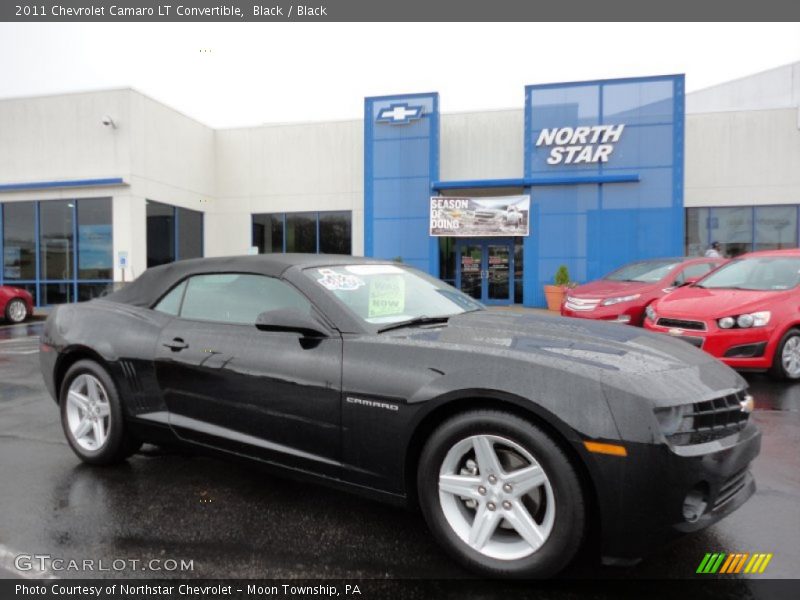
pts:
[414, 322]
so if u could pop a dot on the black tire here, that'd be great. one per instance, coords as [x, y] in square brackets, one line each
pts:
[777, 370]
[569, 525]
[119, 444]
[16, 303]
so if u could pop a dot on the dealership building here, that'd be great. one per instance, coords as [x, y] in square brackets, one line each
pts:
[96, 187]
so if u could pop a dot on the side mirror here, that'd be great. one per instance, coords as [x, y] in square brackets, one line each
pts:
[290, 319]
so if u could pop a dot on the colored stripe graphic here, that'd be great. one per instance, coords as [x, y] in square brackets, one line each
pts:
[729, 562]
[711, 562]
[723, 563]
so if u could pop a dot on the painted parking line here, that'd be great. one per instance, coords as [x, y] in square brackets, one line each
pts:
[27, 338]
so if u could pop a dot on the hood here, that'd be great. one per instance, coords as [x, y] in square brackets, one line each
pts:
[703, 303]
[606, 288]
[621, 357]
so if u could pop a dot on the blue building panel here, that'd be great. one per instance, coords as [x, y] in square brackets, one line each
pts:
[401, 161]
[594, 228]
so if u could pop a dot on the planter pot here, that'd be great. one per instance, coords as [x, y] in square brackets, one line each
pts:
[555, 296]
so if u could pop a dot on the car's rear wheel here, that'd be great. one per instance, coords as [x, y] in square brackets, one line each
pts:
[92, 416]
[501, 496]
[786, 363]
[16, 311]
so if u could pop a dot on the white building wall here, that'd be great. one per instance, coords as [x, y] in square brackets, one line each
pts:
[55, 138]
[775, 88]
[286, 168]
[740, 158]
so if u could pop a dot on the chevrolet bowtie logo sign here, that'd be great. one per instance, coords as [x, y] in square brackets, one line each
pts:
[399, 114]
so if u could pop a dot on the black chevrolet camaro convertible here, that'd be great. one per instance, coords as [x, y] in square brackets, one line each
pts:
[519, 436]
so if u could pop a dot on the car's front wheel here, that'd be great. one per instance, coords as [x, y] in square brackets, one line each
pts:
[786, 363]
[501, 496]
[16, 311]
[91, 415]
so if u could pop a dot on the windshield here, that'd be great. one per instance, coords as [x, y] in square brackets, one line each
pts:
[763, 273]
[647, 272]
[385, 294]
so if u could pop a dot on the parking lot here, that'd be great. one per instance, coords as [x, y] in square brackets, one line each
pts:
[236, 520]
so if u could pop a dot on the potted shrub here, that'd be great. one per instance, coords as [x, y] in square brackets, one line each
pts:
[555, 293]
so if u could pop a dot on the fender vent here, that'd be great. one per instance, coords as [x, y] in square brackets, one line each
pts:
[131, 378]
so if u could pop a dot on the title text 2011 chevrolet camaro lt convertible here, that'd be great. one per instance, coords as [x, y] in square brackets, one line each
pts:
[519, 436]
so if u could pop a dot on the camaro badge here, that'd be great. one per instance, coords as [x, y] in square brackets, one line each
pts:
[675, 331]
[372, 403]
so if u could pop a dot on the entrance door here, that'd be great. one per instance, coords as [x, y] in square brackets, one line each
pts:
[484, 269]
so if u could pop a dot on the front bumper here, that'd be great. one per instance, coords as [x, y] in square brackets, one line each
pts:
[624, 312]
[642, 497]
[750, 348]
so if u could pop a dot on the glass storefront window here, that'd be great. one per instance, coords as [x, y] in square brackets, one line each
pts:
[89, 291]
[19, 237]
[334, 233]
[160, 234]
[166, 225]
[741, 229]
[56, 241]
[95, 247]
[733, 229]
[301, 232]
[56, 293]
[75, 244]
[697, 241]
[190, 233]
[268, 233]
[776, 227]
[447, 260]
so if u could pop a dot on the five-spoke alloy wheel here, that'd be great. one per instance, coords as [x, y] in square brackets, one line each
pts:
[91, 415]
[501, 495]
[16, 311]
[786, 364]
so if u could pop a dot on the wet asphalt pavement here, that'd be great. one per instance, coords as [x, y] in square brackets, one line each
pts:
[236, 520]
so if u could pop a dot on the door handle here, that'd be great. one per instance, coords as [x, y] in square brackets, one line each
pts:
[176, 345]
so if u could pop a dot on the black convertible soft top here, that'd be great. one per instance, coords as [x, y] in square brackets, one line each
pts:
[146, 289]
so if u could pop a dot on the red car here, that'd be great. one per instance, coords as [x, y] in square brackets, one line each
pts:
[623, 294]
[746, 313]
[15, 304]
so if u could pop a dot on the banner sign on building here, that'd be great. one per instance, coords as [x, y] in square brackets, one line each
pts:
[501, 216]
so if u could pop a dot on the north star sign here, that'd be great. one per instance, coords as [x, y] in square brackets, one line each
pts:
[580, 145]
[398, 114]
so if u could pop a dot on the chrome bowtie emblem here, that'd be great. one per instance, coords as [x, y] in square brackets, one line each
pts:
[748, 404]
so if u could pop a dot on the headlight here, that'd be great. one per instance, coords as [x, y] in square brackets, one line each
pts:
[726, 322]
[651, 313]
[746, 320]
[619, 299]
[674, 419]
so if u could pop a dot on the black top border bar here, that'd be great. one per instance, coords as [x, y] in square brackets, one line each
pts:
[398, 10]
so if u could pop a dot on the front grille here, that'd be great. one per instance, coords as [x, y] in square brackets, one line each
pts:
[681, 324]
[581, 303]
[712, 420]
[730, 488]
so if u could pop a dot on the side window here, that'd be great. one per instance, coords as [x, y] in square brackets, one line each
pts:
[238, 298]
[698, 270]
[171, 303]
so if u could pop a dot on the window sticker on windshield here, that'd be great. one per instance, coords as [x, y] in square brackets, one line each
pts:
[334, 281]
[373, 269]
[387, 296]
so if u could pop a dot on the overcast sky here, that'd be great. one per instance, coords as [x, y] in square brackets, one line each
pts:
[251, 73]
